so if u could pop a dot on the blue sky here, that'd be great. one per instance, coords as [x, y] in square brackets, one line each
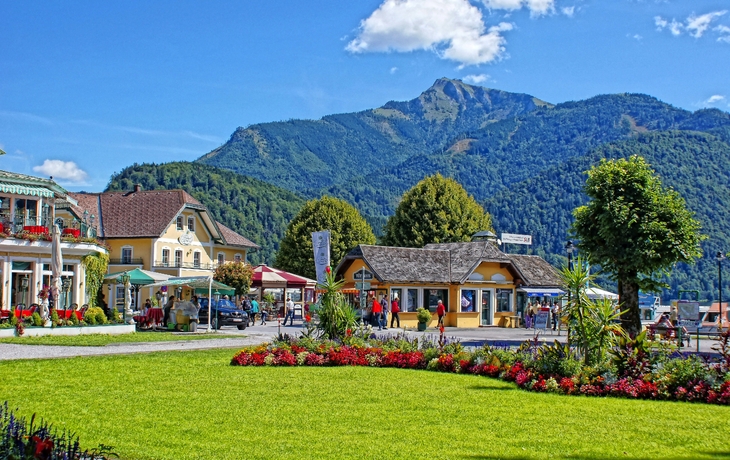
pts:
[88, 88]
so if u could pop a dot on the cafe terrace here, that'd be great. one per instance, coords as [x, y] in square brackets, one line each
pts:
[479, 284]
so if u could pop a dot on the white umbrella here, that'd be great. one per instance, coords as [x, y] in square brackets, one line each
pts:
[56, 264]
[598, 293]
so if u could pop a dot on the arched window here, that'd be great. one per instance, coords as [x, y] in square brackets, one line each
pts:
[221, 258]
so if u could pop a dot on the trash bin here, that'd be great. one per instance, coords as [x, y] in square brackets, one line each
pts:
[193, 326]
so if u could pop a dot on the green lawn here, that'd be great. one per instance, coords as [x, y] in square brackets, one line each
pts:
[195, 405]
[99, 340]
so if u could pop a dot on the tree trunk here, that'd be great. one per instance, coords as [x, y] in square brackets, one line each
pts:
[628, 292]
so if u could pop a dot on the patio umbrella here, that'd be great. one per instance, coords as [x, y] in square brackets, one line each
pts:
[56, 265]
[263, 274]
[138, 277]
[598, 293]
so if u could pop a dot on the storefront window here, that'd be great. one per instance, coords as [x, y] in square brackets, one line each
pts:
[296, 295]
[278, 293]
[432, 297]
[468, 296]
[411, 300]
[504, 300]
[396, 293]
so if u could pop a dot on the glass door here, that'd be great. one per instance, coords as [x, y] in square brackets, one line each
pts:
[486, 318]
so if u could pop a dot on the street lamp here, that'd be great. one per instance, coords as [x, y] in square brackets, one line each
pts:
[570, 248]
[124, 279]
[720, 258]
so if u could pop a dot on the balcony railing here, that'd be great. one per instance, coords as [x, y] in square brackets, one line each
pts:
[193, 265]
[44, 225]
[126, 261]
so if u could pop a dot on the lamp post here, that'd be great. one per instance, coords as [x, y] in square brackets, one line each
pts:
[720, 258]
[127, 312]
[569, 248]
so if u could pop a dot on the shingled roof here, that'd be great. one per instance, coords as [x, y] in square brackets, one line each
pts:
[448, 263]
[145, 214]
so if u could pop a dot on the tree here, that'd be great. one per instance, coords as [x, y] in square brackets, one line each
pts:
[635, 229]
[436, 210]
[347, 229]
[236, 275]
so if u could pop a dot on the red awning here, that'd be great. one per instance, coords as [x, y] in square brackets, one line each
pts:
[264, 275]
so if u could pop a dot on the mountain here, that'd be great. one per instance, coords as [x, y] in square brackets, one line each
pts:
[311, 155]
[257, 210]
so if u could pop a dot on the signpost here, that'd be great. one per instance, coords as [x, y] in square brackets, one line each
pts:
[362, 286]
[514, 238]
[541, 319]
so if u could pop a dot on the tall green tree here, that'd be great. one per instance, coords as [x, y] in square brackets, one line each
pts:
[347, 229]
[236, 275]
[635, 229]
[436, 210]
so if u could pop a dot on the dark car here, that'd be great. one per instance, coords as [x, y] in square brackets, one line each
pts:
[222, 313]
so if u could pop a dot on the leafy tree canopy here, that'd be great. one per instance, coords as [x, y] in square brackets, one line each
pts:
[634, 228]
[236, 275]
[436, 210]
[347, 230]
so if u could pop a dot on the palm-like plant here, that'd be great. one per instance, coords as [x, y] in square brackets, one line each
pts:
[336, 315]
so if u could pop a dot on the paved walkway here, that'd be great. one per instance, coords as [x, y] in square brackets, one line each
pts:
[258, 334]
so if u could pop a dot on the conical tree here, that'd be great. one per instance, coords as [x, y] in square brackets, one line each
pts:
[436, 210]
[347, 230]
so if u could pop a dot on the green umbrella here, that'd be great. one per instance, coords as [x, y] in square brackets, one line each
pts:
[137, 277]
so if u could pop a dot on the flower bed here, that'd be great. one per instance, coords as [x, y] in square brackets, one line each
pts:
[660, 375]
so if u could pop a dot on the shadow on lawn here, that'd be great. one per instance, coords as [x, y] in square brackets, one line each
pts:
[700, 456]
[490, 388]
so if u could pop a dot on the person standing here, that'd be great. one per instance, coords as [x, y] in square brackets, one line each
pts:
[554, 312]
[440, 311]
[384, 314]
[394, 310]
[168, 307]
[254, 310]
[289, 311]
[377, 311]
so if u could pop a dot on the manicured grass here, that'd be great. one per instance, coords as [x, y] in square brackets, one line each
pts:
[99, 340]
[194, 405]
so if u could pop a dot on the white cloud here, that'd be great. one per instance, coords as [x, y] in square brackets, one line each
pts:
[724, 32]
[714, 99]
[536, 7]
[637, 37]
[697, 25]
[393, 70]
[568, 11]
[64, 170]
[454, 29]
[476, 79]
[694, 25]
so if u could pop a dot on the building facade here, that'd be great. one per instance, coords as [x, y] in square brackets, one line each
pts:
[479, 284]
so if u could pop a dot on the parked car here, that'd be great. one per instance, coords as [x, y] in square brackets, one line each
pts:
[223, 313]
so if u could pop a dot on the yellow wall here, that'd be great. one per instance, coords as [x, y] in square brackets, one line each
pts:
[140, 249]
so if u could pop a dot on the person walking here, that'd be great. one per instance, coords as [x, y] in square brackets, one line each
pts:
[377, 311]
[440, 311]
[384, 314]
[254, 310]
[554, 313]
[394, 310]
[289, 311]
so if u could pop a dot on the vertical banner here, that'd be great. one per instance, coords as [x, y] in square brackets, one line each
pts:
[321, 244]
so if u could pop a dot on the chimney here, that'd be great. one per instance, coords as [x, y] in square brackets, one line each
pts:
[137, 188]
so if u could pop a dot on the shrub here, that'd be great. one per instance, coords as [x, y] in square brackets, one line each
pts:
[36, 319]
[94, 315]
[55, 320]
[423, 315]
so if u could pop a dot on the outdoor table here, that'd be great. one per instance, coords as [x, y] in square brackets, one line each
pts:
[155, 315]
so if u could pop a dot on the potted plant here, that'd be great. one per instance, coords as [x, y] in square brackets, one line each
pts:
[424, 317]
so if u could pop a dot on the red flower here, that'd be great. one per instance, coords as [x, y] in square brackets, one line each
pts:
[43, 448]
[348, 333]
[307, 318]
[441, 328]
[328, 269]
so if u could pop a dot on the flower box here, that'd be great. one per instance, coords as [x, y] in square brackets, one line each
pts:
[75, 232]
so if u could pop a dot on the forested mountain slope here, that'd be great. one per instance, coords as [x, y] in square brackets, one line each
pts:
[311, 155]
[257, 210]
[695, 164]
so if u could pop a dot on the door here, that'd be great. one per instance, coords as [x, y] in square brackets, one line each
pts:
[486, 318]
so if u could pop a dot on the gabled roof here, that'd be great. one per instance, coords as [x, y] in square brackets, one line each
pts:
[535, 271]
[148, 214]
[448, 263]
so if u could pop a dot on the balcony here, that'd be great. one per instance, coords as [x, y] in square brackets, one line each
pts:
[186, 265]
[126, 261]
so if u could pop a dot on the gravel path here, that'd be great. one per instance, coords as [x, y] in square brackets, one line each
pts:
[9, 351]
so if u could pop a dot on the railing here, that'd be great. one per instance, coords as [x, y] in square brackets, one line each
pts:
[43, 225]
[193, 265]
[126, 261]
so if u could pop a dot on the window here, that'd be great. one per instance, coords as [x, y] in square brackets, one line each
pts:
[179, 222]
[165, 257]
[126, 255]
[468, 296]
[221, 258]
[432, 297]
[178, 257]
[411, 300]
[237, 258]
[196, 259]
[191, 224]
[504, 300]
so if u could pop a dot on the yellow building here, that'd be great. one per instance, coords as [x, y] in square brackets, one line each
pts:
[166, 231]
[28, 206]
[479, 284]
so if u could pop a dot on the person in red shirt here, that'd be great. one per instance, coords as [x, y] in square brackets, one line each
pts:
[440, 311]
[377, 313]
[394, 310]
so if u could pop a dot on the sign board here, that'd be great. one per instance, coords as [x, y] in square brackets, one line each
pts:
[514, 238]
[362, 286]
[688, 313]
[358, 275]
[541, 320]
